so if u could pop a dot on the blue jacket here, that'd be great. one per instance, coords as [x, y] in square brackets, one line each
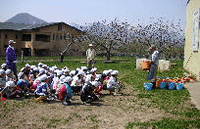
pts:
[23, 83]
[68, 90]
[10, 57]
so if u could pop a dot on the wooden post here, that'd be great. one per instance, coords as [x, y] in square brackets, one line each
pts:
[22, 56]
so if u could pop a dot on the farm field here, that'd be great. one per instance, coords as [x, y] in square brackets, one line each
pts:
[134, 108]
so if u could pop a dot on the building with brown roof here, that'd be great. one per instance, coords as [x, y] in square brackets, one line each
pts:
[49, 39]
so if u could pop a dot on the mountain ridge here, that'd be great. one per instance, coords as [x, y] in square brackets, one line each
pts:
[26, 18]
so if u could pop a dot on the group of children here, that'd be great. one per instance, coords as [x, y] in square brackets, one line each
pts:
[47, 82]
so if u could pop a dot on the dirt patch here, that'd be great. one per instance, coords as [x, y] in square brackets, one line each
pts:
[110, 112]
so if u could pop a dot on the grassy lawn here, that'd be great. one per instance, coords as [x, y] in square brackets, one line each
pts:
[170, 101]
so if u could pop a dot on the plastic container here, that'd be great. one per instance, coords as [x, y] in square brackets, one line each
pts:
[146, 65]
[148, 86]
[179, 86]
[171, 85]
[163, 85]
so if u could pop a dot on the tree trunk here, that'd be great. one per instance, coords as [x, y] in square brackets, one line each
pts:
[108, 55]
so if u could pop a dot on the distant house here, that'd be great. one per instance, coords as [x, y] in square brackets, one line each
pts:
[48, 39]
[192, 39]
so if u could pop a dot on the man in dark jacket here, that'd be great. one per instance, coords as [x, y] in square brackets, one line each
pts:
[11, 57]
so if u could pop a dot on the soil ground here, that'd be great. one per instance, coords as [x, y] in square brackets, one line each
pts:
[110, 112]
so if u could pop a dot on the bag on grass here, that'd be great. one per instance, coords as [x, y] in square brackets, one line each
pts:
[148, 86]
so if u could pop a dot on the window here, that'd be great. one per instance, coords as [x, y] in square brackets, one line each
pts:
[42, 37]
[6, 36]
[60, 37]
[59, 26]
[53, 36]
[16, 36]
[26, 37]
[64, 36]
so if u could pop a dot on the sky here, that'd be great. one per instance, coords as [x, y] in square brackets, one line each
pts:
[88, 11]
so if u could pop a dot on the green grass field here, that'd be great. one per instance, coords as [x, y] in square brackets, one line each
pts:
[171, 101]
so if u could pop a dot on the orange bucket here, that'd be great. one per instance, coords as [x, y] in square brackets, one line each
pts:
[158, 82]
[146, 65]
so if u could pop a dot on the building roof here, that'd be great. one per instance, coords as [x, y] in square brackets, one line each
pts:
[25, 27]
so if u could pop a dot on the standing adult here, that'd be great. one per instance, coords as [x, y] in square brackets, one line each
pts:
[11, 57]
[61, 57]
[90, 53]
[154, 62]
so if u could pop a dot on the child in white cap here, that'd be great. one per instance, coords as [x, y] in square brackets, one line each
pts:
[42, 88]
[78, 81]
[4, 66]
[23, 83]
[87, 93]
[65, 92]
[9, 75]
[2, 78]
[8, 89]
[113, 84]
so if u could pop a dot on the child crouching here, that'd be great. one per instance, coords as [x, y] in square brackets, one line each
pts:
[42, 89]
[65, 93]
[87, 93]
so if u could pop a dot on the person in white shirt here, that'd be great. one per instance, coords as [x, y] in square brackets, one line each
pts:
[154, 62]
[90, 53]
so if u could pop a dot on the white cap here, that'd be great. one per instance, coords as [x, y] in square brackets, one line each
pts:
[72, 73]
[95, 83]
[66, 70]
[88, 78]
[8, 71]
[84, 67]
[94, 69]
[10, 83]
[41, 70]
[78, 69]
[68, 79]
[81, 73]
[43, 77]
[33, 67]
[11, 41]
[98, 76]
[62, 78]
[114, 72]
[59, 72]
[40, 64]
[27, 65]
[3, 65]
[20, 74]
[55, 67]
[44, 65]
[106, 72]
[2, 71]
